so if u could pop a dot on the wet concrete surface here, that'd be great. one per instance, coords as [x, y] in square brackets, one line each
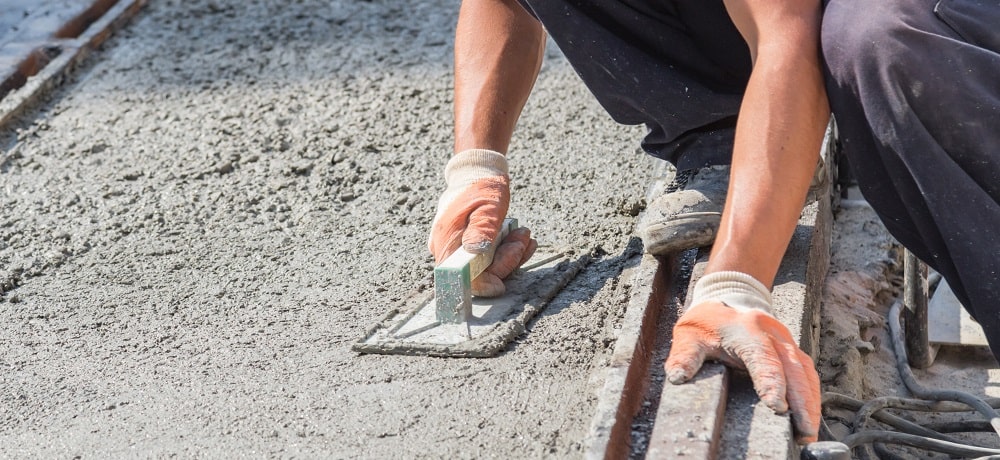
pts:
[196, 227]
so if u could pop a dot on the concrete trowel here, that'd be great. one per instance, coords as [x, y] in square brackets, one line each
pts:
[449, 321]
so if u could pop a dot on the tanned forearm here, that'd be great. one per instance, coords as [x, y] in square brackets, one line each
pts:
[498, 51]
[778, 136]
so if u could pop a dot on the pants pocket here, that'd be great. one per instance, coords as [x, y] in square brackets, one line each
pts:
[976, 21]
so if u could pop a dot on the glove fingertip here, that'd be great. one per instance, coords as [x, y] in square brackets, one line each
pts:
[686, 356]
[776, 402]
[488, 285]
[479, 238]
[477, 246]
[805, 431]
[530, 251]
[677, 375]
[682, 365]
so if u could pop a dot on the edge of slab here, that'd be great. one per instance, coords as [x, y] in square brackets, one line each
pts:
[625, 384]
[72, 53]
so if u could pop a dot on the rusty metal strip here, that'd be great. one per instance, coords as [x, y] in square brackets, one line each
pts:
[56, 57]
[626, 377]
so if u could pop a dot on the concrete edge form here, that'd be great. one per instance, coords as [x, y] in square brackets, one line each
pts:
[71, 52]
[625, 379]
[717, 414]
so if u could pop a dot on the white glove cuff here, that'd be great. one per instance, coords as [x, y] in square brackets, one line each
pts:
[737, 290]
[470, 165]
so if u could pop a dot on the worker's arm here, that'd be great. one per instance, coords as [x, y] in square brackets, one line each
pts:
[778, 137]
[498, 51]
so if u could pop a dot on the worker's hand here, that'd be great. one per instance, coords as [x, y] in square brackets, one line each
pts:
[470, 213]
[741, 333]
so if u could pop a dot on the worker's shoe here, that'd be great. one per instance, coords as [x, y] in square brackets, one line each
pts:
[688, 217]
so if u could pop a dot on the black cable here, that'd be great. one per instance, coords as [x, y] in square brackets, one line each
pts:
[885, 454]
[923, 393]
[962, 426]
[923, 442]
[898, 423]
[847, 402]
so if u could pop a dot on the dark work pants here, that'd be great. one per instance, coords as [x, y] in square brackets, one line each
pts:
[680, 68]
[914, 86]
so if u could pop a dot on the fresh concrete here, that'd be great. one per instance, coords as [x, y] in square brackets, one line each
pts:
[209, 212]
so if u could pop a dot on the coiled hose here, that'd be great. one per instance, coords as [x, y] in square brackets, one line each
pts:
[870, 444]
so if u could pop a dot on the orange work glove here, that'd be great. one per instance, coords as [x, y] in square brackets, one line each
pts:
[730, 321]
[470, 213]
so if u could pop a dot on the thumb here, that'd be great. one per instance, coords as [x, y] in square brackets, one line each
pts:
[687, 354]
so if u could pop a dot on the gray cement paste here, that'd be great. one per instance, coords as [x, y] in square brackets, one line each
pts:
[211, 210]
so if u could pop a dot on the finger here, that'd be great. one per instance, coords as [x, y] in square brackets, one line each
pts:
[687, 353]
[444, 242]
[511, 252]
[487, 213]
[803, 392]
[447, 229]
[516, 249]
[490, 282]
[520, 234]
[488, 285]
[446, 233]
[764, 365]
[532, 246]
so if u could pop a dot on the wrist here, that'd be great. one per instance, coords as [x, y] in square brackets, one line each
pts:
[736, 290]
[473, 164]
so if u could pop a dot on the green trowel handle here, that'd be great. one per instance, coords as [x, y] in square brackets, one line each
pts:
[453, 278]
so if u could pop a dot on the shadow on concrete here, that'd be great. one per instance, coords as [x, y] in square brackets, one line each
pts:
[588, 283]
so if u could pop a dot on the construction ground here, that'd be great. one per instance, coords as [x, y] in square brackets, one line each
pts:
[205, 203]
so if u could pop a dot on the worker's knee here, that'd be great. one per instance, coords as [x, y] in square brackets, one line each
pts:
[862, 39]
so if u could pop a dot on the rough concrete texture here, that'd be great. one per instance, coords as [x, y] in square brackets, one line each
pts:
[207, 215]
[856, 353]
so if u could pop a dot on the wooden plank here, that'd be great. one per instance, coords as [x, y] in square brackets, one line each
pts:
[626, 377]
[689, 416]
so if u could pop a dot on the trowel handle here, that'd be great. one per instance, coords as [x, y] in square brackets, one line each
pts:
[453, 278]
[479, 262]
